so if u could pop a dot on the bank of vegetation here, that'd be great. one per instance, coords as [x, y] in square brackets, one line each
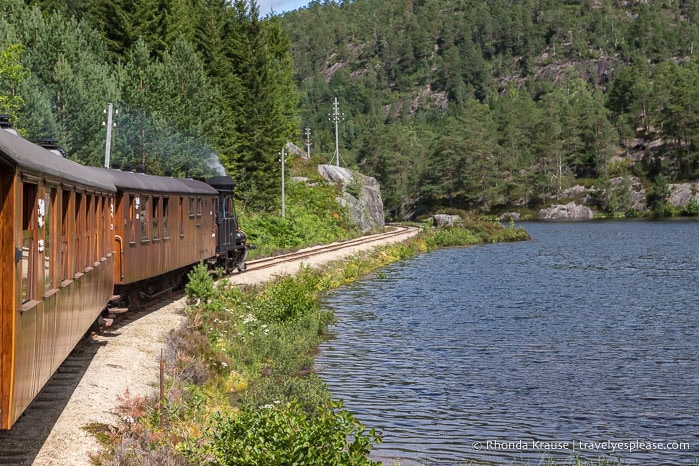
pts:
[240, 384]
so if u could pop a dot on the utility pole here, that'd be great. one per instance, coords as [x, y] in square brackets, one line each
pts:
[307, 133]
[108, 148]
[283, 154]
[336, 116]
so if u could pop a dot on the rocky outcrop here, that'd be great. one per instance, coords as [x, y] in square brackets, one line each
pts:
[570, 211]
[441, 220]
[681, 193]
[516, 216]
[360, 194]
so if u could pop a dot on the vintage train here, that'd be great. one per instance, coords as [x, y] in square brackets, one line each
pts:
[75, 240]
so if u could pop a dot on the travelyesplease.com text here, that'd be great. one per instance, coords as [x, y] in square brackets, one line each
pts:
[578, 445]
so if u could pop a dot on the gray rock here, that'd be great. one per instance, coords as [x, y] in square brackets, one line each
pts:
[570, 211]
[681, 193]
[510, 216]
[360, 194]
[442, 220]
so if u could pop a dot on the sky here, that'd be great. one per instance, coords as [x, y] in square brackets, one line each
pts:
[279, 6]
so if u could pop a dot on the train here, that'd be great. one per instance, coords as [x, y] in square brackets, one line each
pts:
[79, 241]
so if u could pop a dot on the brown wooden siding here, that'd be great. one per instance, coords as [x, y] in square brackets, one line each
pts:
[147, 253]
[7, 288]
[47, 333]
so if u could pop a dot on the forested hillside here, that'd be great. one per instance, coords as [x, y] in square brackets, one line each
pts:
[490, 105]
[192, 82]
[486, 106]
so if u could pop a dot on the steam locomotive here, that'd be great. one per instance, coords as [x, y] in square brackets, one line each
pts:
[77, 240]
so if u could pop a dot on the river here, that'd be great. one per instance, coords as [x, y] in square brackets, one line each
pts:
[581, 342]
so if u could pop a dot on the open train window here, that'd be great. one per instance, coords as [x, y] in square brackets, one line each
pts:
[166, 231]
[79, 228]
[199, 204]
[29, 234]
[129, 216]
[144, 218]
[49, 205]
[87, 231]
[98, 230]
[156, 217]
[107, 225]
[66, 232]
[191, 207]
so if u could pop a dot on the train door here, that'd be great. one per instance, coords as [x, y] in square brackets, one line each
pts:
[8, 261]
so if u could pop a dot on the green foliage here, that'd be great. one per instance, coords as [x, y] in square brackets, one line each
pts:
[285, 434]
[12, 73]
[313, 216]
[658, 196]
[691, 209]
[200, 284]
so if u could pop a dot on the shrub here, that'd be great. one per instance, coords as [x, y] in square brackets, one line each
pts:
[200, 284]
[691, 209]
[283, 434]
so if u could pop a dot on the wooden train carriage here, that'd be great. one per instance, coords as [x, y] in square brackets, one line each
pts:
[56, 264]
[163, 225]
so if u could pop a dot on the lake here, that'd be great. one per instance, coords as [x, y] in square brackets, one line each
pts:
[581, 342]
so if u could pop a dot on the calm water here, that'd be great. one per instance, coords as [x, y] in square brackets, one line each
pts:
[588, 333]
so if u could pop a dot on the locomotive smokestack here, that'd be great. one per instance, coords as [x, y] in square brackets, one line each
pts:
[6, 125]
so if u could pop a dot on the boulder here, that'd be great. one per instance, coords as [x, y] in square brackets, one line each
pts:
[570, 211]
[442, 220]
[360, 194]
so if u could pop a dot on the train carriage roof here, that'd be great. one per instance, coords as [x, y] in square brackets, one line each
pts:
[129, 181]
[24, 154]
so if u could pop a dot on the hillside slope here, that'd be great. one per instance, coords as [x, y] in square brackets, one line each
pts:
[490, 105]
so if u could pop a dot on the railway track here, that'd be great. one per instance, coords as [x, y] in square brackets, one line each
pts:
[22, 444]
[267, 262]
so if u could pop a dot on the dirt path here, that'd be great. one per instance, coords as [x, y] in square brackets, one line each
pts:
[126, 360]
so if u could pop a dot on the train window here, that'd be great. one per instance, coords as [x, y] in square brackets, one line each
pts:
[191, 207]
[181, 217]
[29, 198]
[229, 207]
[97, 231]
[65, 235]
[49, 205]
[129, 215]
[87, 232]
[166, 231]
[107, 222]
[199, 204]
[156, 216]
[143, 218]
[79, 227]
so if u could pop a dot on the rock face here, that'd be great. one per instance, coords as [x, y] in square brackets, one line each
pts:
[441, 220]
[360, 193]
[569, 211]
[681, 193]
